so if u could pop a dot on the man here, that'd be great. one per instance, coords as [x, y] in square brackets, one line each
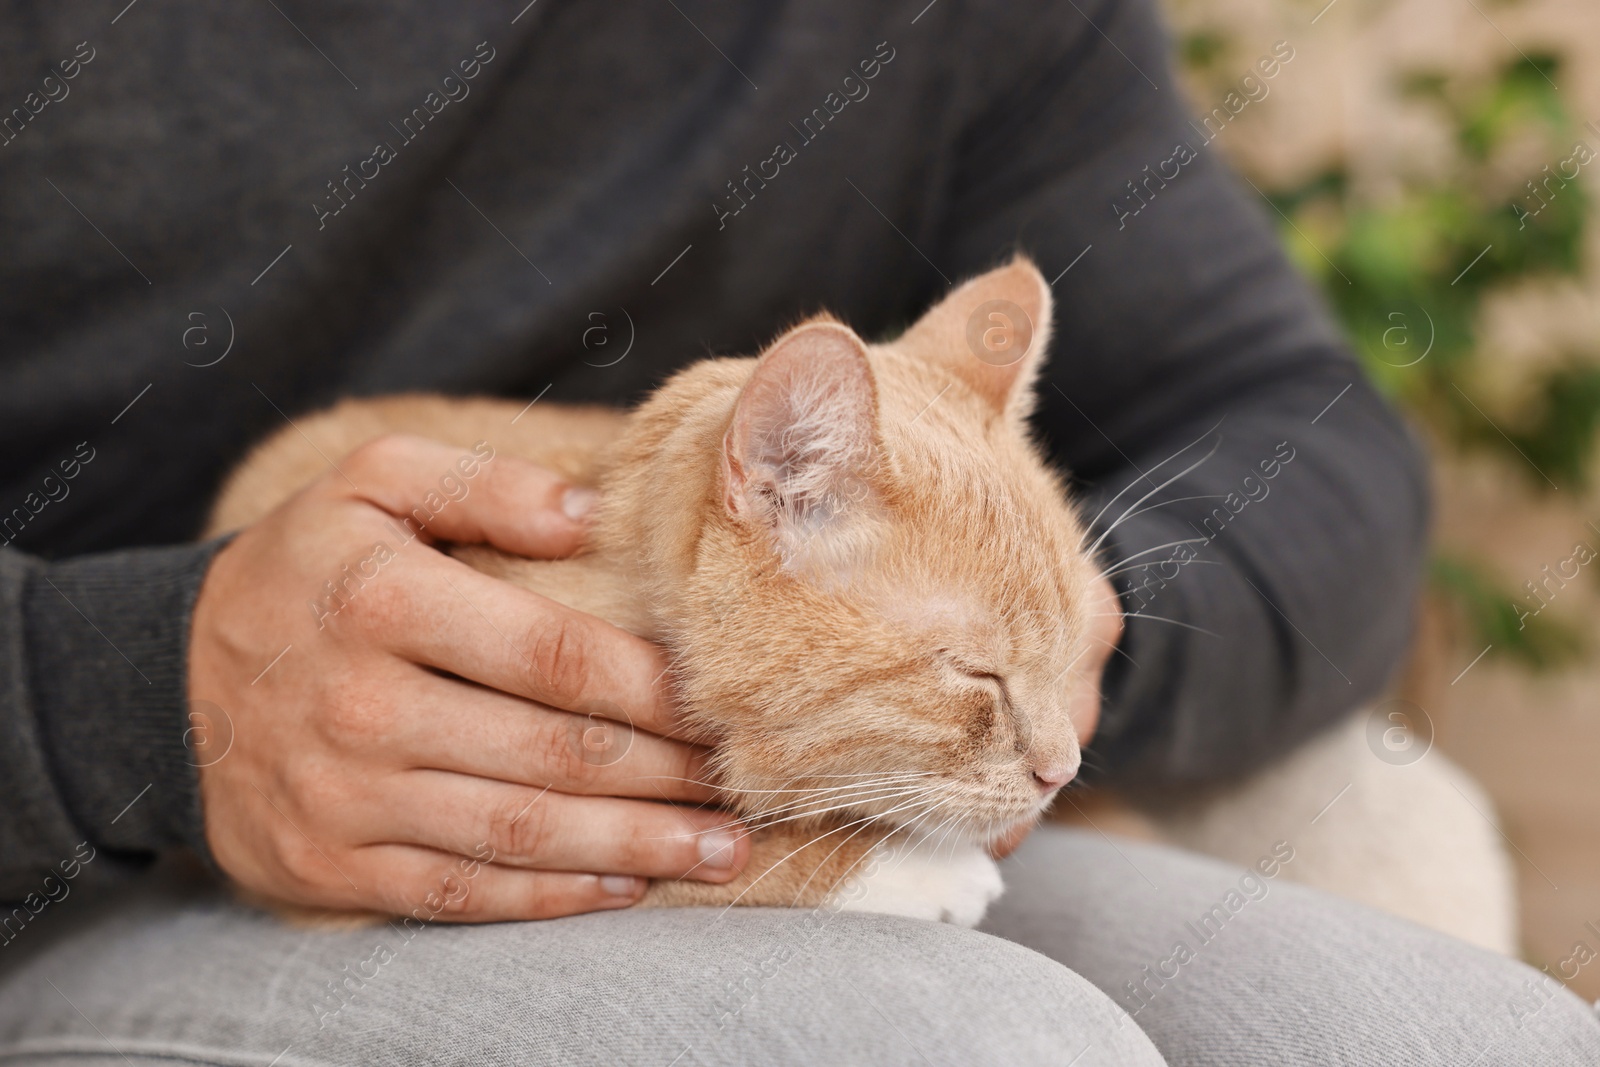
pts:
[218, 222]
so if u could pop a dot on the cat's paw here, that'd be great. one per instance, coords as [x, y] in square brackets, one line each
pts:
[923, 883]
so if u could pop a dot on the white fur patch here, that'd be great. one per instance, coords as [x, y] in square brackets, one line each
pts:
[944, 886]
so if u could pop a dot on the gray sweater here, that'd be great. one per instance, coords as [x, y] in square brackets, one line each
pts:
[215, 218]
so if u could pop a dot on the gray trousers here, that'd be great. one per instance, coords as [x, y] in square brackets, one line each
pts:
[1099, 954]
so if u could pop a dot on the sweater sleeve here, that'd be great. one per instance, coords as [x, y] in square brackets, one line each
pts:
[93, 709]
[1262, 510]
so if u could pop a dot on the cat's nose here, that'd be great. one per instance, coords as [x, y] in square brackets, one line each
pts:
[1053, 774]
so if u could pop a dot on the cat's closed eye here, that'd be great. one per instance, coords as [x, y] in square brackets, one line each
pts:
[964, 661]
[976, 673]
[983, 676]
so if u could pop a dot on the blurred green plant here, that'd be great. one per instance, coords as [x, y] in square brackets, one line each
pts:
[1418, 265]
[1557, 437]
[1408, 271]
[1540, 642]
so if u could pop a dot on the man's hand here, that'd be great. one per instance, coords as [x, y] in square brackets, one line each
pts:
[1105, 630]
[416, 711]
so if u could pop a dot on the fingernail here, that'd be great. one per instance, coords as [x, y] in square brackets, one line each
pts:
[717, 848]
[578, 502]
[621, 885]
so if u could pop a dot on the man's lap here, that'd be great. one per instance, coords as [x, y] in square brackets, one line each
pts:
[1288, 976]
[1223, 965]
[167, 980]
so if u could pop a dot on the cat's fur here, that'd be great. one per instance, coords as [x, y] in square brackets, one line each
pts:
[872, 586]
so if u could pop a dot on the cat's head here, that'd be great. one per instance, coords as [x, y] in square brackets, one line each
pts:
[887, 590]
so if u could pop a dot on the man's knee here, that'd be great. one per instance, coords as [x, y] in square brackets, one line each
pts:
[1525, 1015]
[859, 988]
[1225, 967]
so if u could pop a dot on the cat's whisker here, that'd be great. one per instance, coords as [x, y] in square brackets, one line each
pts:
[1098, 541]
[1179, 500]
[1147, 551]
[736, 789]
[752, 827]
[1156, 618]
[1146, 475]
[671, 663]
[1132, 510]
[860, 774]
[841, 844]
[852, 781]
[950, 824]
[816, 868]
[851, 803]
[756, 881]
[912, 836]
[957, 824]
[844, 875]
[1069, 666]
[754, 821]
[1137, 566]
[942, 823]
[838, 792]
[1035, 647]
[749, 832]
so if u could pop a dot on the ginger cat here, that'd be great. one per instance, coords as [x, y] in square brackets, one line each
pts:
[872, 585]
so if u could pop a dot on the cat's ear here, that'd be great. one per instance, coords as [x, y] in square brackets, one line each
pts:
[798, 454]
[990, 332]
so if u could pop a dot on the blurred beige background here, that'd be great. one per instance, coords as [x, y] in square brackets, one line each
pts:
[1530, 734]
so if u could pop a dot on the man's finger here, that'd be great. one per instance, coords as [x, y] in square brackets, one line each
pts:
[449, 616]
[471, 729]
[428, 886]
[469, 495]
[549, 830]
